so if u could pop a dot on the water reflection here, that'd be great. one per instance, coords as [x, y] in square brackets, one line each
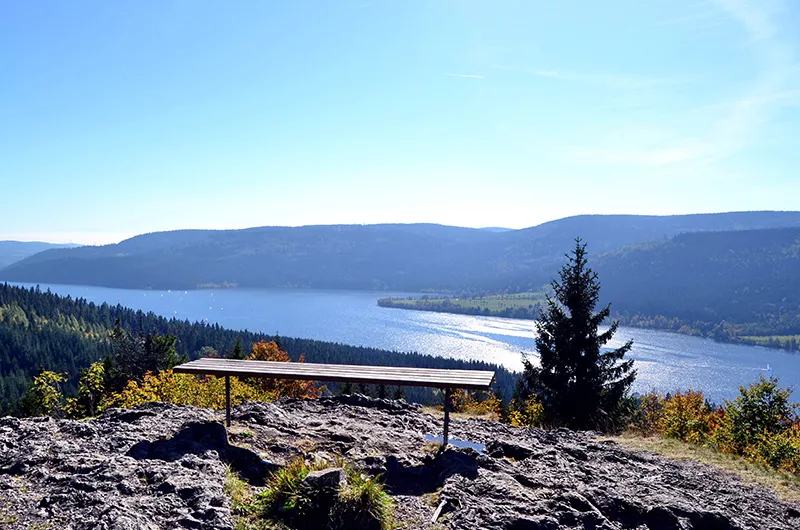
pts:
[461, 444]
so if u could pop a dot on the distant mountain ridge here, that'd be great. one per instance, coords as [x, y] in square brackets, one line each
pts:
[409, 257]
[13, 251]
[744, 282]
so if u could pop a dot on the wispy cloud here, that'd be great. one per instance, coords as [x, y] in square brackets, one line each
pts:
[727, 126]
[659, 156]
[621, 81]
[754, 16]
[698, 19]
[775, 86]
[467, 76]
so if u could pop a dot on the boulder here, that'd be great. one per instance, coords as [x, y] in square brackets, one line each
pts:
[325, 479]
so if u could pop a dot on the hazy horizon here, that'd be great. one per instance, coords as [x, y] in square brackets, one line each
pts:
[108, 238]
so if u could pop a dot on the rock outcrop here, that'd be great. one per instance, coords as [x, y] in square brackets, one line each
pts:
[162, 466]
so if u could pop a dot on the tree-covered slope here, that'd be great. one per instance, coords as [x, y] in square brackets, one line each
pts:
[750, 278]
[399, 257]
[14, 251]
[40, 330]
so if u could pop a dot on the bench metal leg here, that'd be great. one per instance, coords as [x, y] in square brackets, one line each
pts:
[445, 437]
[227, 401]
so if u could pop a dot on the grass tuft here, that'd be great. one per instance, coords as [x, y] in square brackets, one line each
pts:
[287, 503]
[362, 503]
[283, 486]
[239, 493]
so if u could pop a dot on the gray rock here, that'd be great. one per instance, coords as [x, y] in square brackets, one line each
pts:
[325, 479]
[500, 448]
[163, 466]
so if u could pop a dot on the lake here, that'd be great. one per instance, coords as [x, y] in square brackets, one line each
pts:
[665, 361]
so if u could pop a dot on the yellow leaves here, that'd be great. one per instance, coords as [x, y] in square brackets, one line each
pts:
[185, 389]
[209, 392]
[777, 450]
[530, 414]
[481, 403]
[44, 397]
[686, 417]
[478, 403]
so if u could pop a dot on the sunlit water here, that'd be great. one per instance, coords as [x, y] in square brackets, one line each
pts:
[665, 361]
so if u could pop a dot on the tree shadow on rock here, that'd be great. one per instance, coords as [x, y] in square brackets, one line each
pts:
[404, 478]
[200, 438]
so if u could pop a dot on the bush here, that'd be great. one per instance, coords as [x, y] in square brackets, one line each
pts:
[185, 389]
[209, 392]
[92, 395]
[43, 397]
[760, 424]
[647, 415]
[687, 417]
[779, 451]
[530, 413]
[96, 388]
[760, 410]
[362, 503]
[270, 351]
[480, 403]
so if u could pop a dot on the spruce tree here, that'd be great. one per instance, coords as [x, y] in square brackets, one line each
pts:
[238, 351]
[578, 383]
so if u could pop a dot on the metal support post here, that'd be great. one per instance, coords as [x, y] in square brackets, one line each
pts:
[446, 418]
[227, 401]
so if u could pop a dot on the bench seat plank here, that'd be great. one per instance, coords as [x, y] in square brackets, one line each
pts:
[382, 375]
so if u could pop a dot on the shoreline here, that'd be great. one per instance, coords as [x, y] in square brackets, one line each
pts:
[435, 307]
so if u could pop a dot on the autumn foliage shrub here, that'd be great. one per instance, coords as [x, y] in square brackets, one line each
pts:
[44, 397]
[270, 351]
[185, 389]
[761, 410]
[476, 403]
[647, 414]
[687, 417]
[529, 413]
[760, 424]
[209, 392]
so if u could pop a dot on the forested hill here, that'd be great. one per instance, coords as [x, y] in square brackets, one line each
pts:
[41, 330]
[748, 279]
[398, 257]
[13, 251]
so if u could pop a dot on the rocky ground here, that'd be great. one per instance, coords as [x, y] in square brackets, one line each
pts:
[162, 466]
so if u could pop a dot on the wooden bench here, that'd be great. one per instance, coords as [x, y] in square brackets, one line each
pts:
[342, 373]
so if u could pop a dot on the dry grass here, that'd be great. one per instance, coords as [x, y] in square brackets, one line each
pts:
[785, 485]
[432, 499]
[431, 448]
[305, 445]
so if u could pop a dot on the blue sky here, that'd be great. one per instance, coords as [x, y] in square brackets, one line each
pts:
[118, 118]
